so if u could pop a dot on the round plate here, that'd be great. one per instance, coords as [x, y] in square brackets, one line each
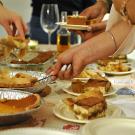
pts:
[69, 91]
[6, 119]
[73, 27]
[119, 73]
[62, 111]
[36, 88]
[109, 126]
[33, 131]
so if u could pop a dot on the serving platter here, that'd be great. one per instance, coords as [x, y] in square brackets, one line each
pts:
[35, 88]
[28, 66]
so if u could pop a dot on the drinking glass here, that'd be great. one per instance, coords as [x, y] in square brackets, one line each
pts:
[48, 18]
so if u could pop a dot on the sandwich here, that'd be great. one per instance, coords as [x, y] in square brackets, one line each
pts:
[87, 106]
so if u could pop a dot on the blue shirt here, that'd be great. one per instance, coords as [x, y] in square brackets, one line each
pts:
[64, 5]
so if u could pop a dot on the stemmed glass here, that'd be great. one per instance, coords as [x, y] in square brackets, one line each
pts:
[48, 18]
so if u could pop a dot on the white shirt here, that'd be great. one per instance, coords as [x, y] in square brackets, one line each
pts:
[128, 45]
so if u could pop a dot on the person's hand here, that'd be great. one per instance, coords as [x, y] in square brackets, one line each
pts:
[92, 31]
[12, 23]
[77, 57]
[98, 10]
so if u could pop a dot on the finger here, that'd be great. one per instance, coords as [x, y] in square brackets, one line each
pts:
[56, 69]
[68, 74]
[98, 26]
[77, 65]
[19, 26]
[61, 75]
[25, 27]
[7, 28]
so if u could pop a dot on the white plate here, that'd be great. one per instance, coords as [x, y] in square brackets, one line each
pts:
[63, 112]
[73, 27]
[69, 91]
[109, 126]
[33, 131]
[119, 73]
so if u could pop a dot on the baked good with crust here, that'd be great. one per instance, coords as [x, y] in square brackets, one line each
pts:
[20, 80]
[76, 20]
[40, 58]
[8, 44]
[81, 20]
[115, 67]
[118, 59]
[13, 106]
[78, 86]
[87, 106]
[88, 73]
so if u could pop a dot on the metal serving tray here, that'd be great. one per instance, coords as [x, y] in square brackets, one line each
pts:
[6, 119]
[36, 88]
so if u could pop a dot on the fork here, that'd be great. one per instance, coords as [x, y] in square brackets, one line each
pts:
[44, 78]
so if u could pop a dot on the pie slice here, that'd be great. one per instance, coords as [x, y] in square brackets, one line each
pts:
[89, 105]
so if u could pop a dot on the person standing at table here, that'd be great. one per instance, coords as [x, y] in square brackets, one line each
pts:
[12, 22]
[64, 5]
[118, 39]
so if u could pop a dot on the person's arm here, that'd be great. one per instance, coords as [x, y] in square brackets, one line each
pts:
[98, 10]
[93, 49]
[12, 22]
[126, 8]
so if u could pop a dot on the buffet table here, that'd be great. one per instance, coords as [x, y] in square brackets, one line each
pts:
[46, 119]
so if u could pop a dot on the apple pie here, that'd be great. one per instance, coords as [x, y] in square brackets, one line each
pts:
[20, 80]
[8, 44]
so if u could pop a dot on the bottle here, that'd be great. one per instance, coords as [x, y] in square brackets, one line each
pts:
[63, 35]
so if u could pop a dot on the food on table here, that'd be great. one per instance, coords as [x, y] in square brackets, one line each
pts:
[87, 73]
[115, 67]
[119, 59]
[80, 20]
[40, 58]
[76, 20]
[89, 105]
[9, 44]
[13, 106]
[79, 86]
[20, 80]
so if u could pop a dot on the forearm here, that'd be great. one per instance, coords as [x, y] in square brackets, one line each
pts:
[103, 45]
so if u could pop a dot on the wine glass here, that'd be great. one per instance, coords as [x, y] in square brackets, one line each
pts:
[48, 18]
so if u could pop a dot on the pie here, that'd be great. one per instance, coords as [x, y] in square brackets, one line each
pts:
[12, 106]
[9, 44]
[40, 58]
[20, 80]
